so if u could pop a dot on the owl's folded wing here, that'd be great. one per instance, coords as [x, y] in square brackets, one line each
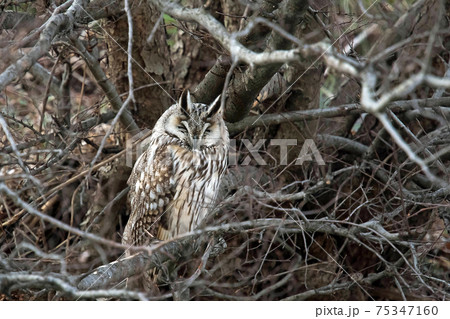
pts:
[150, 196]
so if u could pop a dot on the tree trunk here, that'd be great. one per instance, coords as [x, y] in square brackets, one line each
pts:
[152, 66]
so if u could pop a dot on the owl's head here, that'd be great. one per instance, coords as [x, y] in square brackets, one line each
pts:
[197, 126]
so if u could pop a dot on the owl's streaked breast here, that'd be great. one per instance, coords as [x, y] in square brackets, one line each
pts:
[197, 179]
[173, 185]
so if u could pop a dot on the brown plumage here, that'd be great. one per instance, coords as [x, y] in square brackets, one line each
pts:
[173, 185]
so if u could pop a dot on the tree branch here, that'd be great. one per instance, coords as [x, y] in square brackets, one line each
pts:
[54, 25]
[13, 280]
[185, 244]
[336, 111]
[108, 88]
[116, 271]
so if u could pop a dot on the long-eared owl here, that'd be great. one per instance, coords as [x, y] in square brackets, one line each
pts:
[173, 185]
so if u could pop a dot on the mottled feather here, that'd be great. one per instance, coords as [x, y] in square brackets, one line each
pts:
[173, 185]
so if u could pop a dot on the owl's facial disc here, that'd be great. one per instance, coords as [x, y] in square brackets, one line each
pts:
[196, 125]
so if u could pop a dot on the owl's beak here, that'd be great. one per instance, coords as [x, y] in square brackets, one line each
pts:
[195, 143]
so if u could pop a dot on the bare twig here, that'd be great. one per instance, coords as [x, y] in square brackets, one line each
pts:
[36, 280]
[336, 111]
[108, 88]
[54, 25]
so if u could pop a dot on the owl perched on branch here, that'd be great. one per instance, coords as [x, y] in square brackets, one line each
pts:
[173, 185]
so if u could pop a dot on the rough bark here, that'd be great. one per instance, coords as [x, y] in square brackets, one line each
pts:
[246, 85]
[152, 65]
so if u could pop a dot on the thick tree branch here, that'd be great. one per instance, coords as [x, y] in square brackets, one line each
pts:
[116, 271]
[212, 85]
[245, 86]
[185, 244]
[336, 111]
[54, 26]
[13, 280]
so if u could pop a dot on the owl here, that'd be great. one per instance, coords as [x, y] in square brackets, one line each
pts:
[173, 185]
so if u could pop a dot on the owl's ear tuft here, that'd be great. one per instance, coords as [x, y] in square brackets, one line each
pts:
[214, 107]
[185, 102]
